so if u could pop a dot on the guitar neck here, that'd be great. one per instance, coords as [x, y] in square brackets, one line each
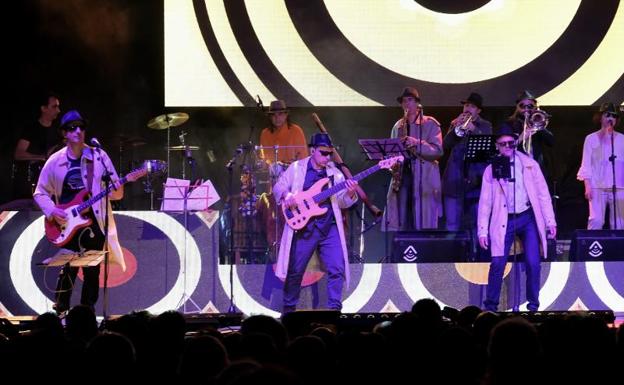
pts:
[91, 201]
[323, 195]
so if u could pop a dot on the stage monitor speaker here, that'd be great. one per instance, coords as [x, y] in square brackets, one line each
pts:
[431, 246]
[597, 245]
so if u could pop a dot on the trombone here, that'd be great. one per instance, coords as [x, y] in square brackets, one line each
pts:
[534, 121]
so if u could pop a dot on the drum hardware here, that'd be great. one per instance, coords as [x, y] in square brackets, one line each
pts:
[165, 122]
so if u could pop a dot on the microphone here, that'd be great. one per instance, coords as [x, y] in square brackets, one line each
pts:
[95, 143]
[259, 104]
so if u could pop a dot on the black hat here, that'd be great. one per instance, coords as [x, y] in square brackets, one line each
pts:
[506, 130]
[609, 107]
[525, 94]
[320, 139]
[474, 98]
[72, 116]
[277, 106]
[409, 91]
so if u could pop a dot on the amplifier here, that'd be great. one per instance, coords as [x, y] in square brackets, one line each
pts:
[597, 245]
[430, 246]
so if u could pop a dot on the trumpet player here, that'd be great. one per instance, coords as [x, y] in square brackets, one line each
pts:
[414, 197]
[531, 141]
[461, 181]
[603, 161]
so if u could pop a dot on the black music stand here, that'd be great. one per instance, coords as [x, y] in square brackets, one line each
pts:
[480, 148]
[379, 149]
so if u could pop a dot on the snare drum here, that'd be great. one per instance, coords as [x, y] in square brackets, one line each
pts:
[155, 167]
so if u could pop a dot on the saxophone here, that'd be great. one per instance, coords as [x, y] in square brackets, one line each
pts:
[397, 168]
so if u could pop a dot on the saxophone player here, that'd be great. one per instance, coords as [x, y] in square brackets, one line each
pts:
[461, 181]
[415, 202]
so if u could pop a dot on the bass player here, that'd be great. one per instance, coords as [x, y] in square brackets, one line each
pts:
[65, 175]
[324, 232]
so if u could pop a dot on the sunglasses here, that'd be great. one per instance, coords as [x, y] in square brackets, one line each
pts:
[73, 127]
[610, 115]
[508, 143]
[527, 106]
[325, 153]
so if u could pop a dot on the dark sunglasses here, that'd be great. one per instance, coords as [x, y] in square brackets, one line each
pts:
[73, 127]
[527, 106]
[611, 115]
[508, 143]
[325, 153]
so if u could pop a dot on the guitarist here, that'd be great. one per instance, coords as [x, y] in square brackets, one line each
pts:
[324, 232]
[66, 173]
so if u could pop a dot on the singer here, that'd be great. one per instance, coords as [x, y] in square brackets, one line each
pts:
[414, 200]
[519, 205]
[69, 171]
[281, 132]
[598, 172]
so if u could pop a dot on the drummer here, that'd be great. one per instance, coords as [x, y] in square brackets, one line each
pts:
[282, 132]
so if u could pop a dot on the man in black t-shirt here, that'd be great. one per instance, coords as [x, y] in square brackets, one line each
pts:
[36, 142]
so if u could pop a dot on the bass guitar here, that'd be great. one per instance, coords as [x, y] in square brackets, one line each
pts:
[307, 202]
[59, 234]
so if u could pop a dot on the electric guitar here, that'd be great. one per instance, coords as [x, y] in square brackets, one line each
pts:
[60, 235]
[307, 202]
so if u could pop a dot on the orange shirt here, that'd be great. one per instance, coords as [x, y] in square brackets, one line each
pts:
[286, 135]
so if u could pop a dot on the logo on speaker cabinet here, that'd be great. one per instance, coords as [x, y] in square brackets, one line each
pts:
[595, 249]
[410, 254]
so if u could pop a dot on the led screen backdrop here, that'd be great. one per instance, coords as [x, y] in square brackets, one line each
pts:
[363, 52]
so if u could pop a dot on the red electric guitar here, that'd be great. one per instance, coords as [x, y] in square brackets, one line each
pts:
[308, 201]
[58, 234]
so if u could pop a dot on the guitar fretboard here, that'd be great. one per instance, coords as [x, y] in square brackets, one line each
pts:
[323, 195]
[91, 201]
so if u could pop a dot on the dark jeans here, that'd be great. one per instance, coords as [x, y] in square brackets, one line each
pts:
[304, 244]
[526, 229]
[65, 286]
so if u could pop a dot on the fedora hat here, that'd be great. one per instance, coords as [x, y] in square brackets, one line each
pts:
[505, 131]
[72, 116]
[320, 139]
[525, 94]
[609, 107]
[409, 91]
[277, 106]
[474, 98]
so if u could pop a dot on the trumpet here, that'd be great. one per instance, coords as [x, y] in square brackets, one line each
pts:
[460, 124]
[534, 121]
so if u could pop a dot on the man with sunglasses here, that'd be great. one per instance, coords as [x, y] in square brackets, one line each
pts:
[324, 232]
[526, 103]
[517, 205]
[597, 170]
[72, 169]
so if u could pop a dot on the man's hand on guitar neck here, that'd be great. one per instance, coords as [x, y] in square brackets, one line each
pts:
[351, 185]
[59, 215]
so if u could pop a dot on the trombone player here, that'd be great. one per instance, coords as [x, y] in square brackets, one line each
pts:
[461, 181]
[529, 123]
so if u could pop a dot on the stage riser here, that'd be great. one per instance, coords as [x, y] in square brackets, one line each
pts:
[157, 283]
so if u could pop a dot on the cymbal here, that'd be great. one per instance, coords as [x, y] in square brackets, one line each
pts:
[173, 119]
[183, 148]
[123, 140]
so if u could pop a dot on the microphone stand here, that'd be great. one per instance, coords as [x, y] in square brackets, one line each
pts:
[230, 168]
[420, 169]
[106, 179]
[516, 304]
[613, 186]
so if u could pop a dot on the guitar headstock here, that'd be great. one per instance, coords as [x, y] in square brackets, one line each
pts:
[136, 174]
[388, 163]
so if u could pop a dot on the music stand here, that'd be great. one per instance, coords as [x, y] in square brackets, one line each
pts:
[75, 259]
[480, 148]
[379, 149]
[180, 197]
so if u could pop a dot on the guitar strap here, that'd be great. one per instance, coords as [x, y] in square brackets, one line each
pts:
[89, 175]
